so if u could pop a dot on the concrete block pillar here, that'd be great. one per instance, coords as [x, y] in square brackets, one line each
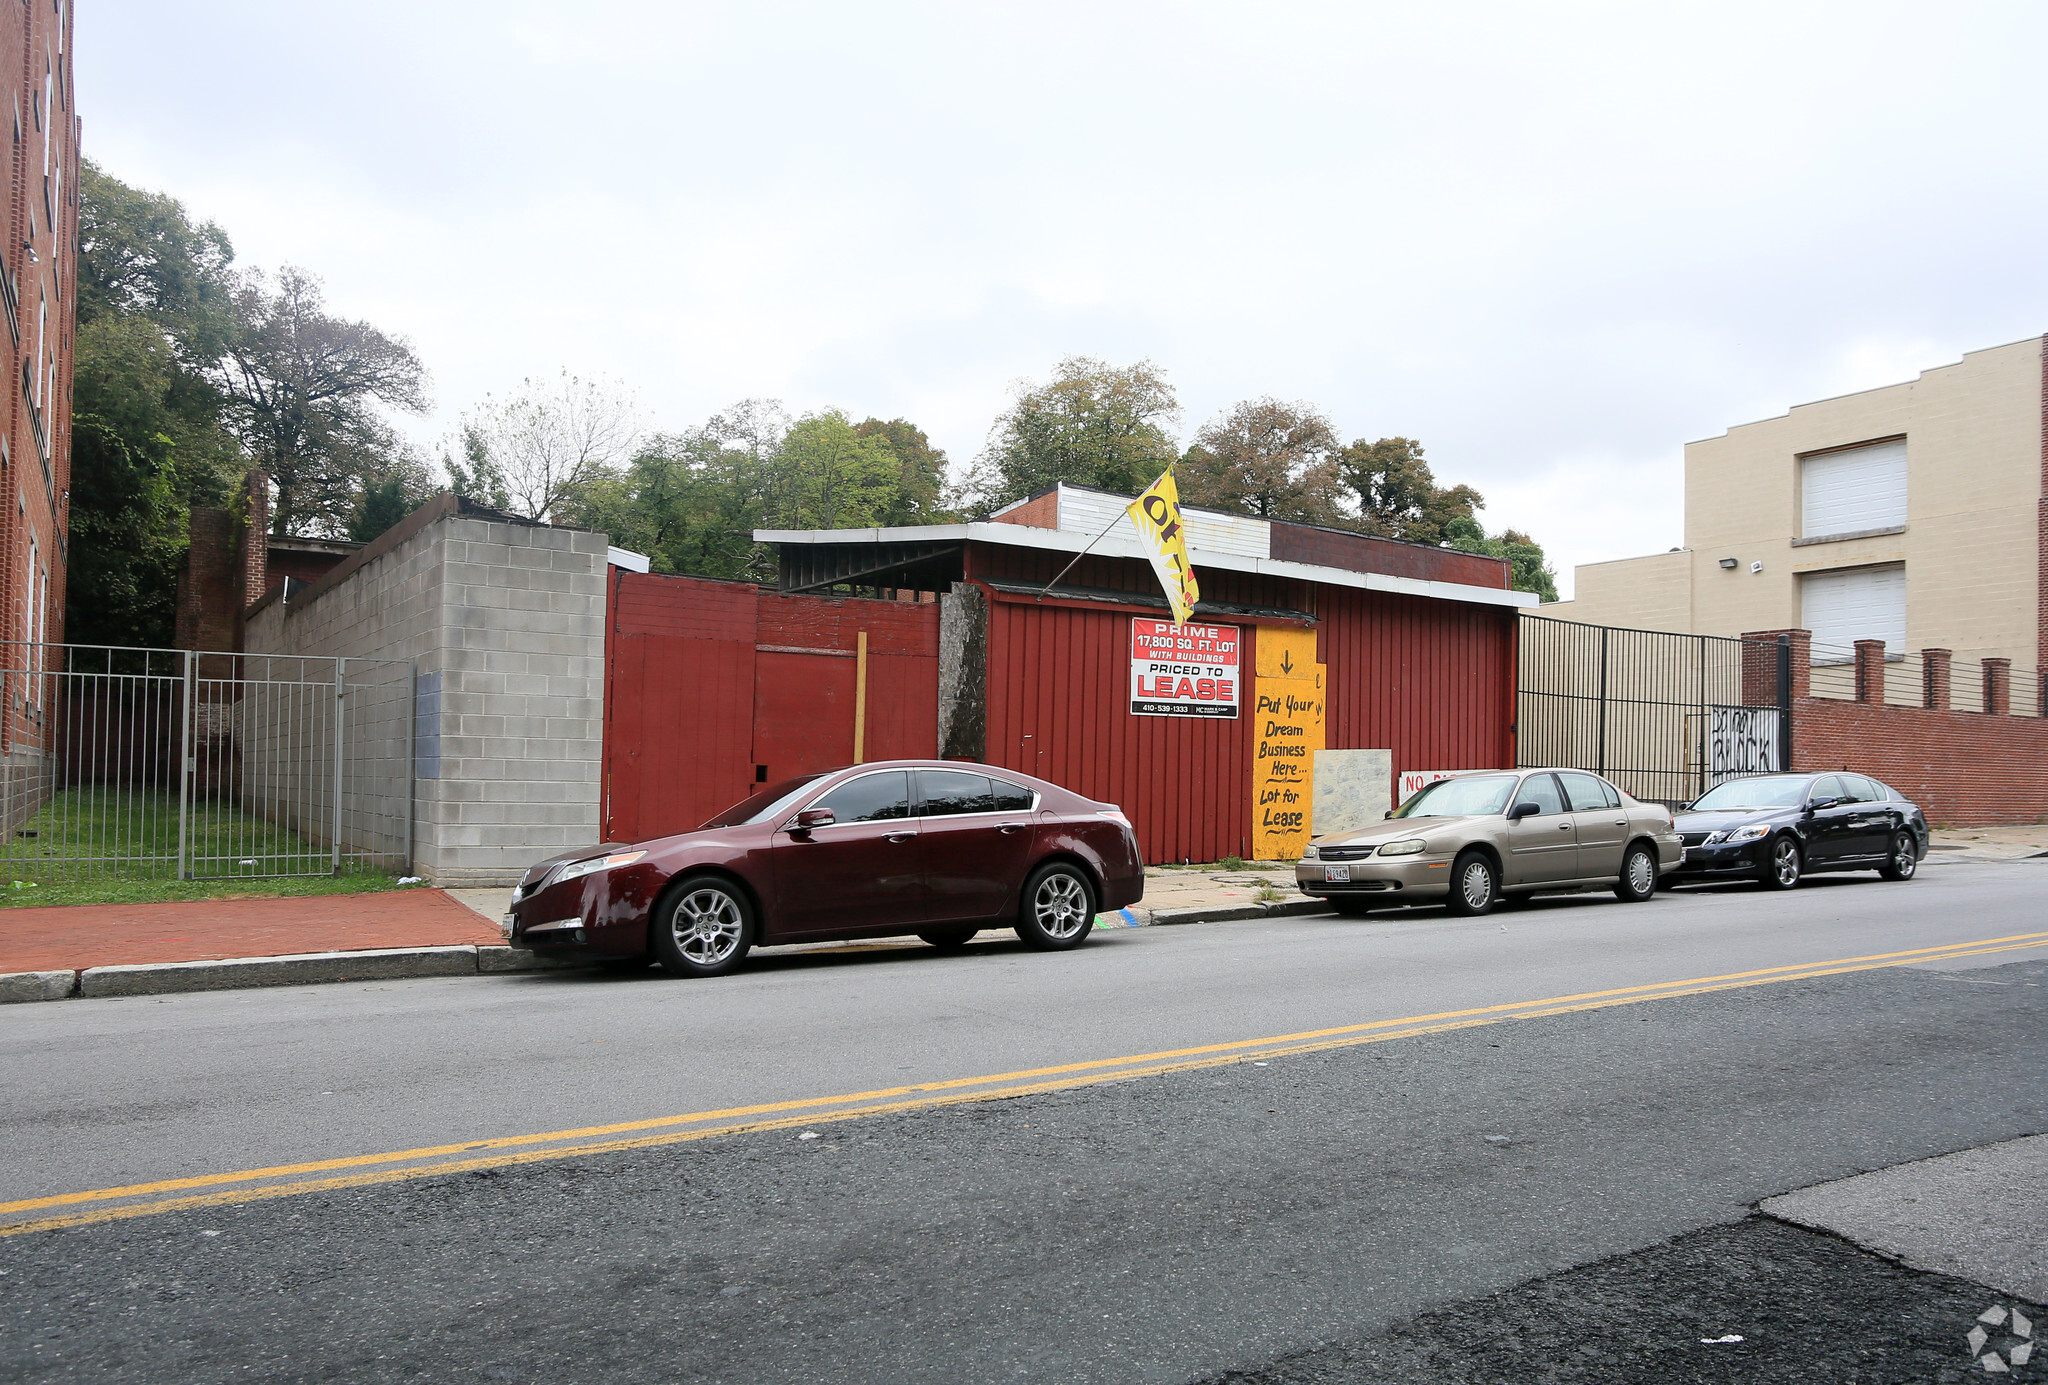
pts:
[1760, 665]
[1935, 678]
[1870, 671]
[1998, 686]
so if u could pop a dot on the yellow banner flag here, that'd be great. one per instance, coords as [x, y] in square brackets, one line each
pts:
[1157, 515]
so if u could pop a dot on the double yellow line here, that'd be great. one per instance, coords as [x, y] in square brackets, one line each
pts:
[362, 1170]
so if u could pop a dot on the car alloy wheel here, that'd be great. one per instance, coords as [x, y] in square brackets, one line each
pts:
[1058, 908]
[1905, 859]
[1638, 875]
[1474, 890]
[703, 928]
[1783, 872]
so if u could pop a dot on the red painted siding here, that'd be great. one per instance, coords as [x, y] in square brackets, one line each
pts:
[1431, 681]
[713, 686]
[1059, 707]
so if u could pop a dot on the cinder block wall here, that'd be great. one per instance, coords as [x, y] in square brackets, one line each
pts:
[504, 623]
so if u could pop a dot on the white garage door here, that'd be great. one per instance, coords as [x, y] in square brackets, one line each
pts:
[1855, 603]
[1855, 489]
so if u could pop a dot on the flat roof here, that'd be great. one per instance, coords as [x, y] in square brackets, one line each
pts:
[1066, 541]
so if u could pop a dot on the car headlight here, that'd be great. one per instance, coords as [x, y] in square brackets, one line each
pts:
[1748, 834]
[1308, 853]
[576, 869]
[1407, 846]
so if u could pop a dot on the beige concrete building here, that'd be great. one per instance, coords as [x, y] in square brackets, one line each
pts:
[1916, 514]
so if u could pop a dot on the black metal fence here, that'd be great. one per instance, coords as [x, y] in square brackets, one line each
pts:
[1663, 715]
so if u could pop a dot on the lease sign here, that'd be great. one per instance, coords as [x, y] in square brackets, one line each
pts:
[1184, 670]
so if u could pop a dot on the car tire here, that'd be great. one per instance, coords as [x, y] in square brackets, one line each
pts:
[1904, 862]
[948, 939]
[1638, 875]
[703, 926]
[1351, 908]
[1785, 864]
[1057, 909]
[1475, 886]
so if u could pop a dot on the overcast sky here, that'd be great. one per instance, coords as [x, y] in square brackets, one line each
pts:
[1554, 242]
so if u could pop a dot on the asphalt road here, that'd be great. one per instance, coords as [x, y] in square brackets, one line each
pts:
[1168, 1227]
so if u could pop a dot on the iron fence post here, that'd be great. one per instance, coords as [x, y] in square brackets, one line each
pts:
[185, 768]
[340, 706]
[1784, 702]
[1603, 700]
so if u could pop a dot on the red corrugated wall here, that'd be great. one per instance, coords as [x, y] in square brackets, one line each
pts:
[1430, 680]
[711, 687]
[1433, 681]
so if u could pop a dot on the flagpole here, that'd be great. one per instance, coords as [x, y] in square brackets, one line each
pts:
[1084, 552]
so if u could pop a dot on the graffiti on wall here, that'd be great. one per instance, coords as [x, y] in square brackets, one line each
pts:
[1741, 740]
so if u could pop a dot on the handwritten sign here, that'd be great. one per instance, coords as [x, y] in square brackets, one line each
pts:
[1288, 698]
[1184, 670]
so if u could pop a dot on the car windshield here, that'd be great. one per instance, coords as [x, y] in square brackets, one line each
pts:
[764, 805]
[1739, 794]
[1451, 798]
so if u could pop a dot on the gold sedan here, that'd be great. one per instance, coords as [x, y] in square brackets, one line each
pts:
[1479, 839]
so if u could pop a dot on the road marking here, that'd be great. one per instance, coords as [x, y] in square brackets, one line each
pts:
[283, 1180]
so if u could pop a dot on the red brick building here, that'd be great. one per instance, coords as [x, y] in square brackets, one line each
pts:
[38, 273]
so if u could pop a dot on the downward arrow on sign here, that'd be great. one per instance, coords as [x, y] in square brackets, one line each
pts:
[1287, 661]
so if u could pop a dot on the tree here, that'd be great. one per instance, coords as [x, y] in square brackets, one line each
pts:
[476, 477]
[549, 438]
[389, 495]
[826, 475]
[921, 472]
[1267, 458]
[302, 388]
[147, 437]
[1528, 571]
[1094, 424]
[1398, 497]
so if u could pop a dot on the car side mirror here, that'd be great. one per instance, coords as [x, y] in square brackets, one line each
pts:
[1820, 803]
[1523, 810]
[812, 817]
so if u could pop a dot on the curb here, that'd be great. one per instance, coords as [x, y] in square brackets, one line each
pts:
[299, 969]
[1290, 908]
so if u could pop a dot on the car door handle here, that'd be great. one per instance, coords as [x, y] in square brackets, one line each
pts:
[1009, 828]
[898, 836]
[1564, 827]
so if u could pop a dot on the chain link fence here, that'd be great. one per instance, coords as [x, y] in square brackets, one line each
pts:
[176, 764]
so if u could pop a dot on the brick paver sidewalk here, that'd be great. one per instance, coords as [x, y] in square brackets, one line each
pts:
[73, 937]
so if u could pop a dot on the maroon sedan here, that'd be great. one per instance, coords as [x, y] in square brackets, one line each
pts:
[935, 848]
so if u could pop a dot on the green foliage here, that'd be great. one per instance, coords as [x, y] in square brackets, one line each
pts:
[127, 537]
[1266, 458]
[382, 505]
[1398, 497]
[691, 501]
[477, 476]
[1094, 425]
[147, 438]
[1528, 569]
[921, 474]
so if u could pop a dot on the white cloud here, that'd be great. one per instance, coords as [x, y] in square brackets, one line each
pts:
[1554, 243]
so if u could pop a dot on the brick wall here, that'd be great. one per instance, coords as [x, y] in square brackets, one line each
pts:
[504, 624]
[1964, 768]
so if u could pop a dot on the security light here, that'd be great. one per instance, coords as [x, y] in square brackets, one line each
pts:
[1728, 563]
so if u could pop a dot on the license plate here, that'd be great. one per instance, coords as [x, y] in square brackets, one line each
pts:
[1340, 875]
[506, 926]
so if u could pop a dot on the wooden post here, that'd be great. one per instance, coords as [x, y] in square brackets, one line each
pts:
[860, 697]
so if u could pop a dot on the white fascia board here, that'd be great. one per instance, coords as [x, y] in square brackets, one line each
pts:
[627, 559]
[1067, 541]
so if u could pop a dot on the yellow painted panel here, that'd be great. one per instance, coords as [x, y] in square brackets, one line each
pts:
[1287, 706]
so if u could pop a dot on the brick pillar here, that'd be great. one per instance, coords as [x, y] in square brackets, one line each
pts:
[1935, 679]
[1760, 665]
[256, 539]
[1998, 686]
[1870, 671]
